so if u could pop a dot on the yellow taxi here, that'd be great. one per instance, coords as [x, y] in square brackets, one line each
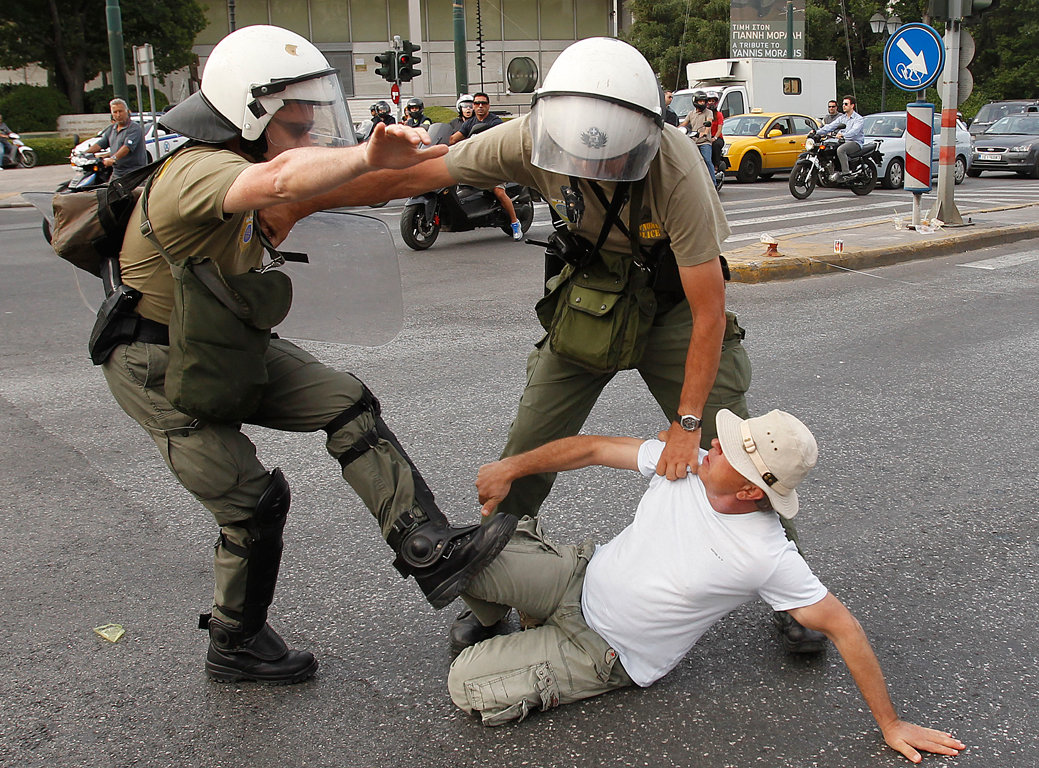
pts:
[764, 143]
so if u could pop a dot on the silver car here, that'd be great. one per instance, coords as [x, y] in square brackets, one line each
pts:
[889, 130]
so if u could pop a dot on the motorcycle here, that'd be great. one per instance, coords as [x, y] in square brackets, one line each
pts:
[719, 168]
[88, 170]
[818, 166]
[460, 208]
[26, 155]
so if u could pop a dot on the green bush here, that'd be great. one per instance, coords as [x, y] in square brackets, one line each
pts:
[52, 151]
[33, 108]
[96, 101]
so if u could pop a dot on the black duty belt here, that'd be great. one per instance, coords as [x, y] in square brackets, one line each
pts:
[151, 332]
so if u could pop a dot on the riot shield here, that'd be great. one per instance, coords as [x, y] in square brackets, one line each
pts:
[348, 290]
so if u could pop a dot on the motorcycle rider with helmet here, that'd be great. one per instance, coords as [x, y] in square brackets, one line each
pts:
[416, 118]
[268, 97]
[383, 113]
[699, 121]
[717, 140]
[594, 139]
[464, 105]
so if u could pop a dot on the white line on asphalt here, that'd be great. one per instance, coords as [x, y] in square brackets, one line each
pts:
[1002, 262]
[791, 214]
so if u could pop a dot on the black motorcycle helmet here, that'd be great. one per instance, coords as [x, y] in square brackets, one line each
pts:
[382, 107]
[700, 100]
[414, 103]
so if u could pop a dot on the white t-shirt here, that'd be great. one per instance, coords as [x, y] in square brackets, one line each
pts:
[680, 566]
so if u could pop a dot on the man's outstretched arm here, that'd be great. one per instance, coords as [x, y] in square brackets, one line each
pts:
[494, 480]
[831, 617]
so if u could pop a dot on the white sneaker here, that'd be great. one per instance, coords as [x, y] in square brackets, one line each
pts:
[517, 233]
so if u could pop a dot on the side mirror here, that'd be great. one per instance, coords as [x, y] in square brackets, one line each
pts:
[774, 133]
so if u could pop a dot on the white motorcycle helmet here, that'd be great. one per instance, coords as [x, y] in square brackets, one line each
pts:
[599, 114]
[249, 76]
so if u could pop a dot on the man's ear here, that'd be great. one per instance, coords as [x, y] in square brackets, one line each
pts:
[749, 492]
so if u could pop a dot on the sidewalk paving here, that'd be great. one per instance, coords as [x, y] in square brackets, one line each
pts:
[866, 245]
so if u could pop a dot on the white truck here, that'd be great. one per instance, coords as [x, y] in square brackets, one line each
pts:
[802, 86]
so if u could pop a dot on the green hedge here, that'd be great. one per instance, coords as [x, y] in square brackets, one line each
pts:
[33, 108]
[52, 151]
[96, 100]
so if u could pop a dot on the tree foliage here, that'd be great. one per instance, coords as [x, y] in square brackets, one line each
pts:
[69, 38]
[671, 33]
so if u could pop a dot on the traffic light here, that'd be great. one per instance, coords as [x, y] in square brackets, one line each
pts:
[406, 62]
[973, 8]
[388, 70]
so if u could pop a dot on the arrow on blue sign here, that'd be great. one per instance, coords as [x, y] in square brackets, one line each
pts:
[914, 57]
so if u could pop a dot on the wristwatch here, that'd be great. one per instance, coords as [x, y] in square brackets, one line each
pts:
[689, 422]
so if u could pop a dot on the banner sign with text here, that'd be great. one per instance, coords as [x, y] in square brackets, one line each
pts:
[767, 29]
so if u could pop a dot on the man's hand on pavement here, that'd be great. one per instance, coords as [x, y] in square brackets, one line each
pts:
[681, 453]
[907, 738]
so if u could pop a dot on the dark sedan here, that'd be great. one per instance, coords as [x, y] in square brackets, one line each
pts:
[1010, 144]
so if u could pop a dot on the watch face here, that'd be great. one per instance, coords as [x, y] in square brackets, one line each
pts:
[690, 423]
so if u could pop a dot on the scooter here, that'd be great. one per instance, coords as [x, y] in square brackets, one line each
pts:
[818, 166]
[88, 170]
[26, 155]
[460, 208]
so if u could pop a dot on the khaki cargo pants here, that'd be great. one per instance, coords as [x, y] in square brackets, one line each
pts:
[562, 661]
[218, 464]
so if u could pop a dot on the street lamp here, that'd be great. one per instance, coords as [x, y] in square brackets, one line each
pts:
[879, 24]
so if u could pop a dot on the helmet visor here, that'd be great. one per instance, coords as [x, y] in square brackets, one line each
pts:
[310, 113]
[590, 138]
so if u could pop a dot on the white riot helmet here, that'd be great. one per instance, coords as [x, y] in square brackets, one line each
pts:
[599, 114]
[249, 76]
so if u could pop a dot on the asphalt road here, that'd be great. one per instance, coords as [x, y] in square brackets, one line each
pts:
[918, 380]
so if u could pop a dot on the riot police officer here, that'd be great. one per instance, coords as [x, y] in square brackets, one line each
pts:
[269, 93]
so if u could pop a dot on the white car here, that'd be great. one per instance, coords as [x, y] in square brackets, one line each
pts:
[156, 142]
[888, 129]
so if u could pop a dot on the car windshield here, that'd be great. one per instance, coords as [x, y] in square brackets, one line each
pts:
[681, 103]
[1016, 124]
[885, 126]
[745, 125]
[990, 113]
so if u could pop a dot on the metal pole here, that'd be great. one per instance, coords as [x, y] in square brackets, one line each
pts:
[945, 207]
[115, 49]
[461, 61]
[790, 29]
[883, 86]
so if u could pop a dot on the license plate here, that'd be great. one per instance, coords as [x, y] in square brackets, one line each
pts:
[989, 156]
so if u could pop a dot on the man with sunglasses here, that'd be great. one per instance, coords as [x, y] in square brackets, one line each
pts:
[831, 113]
[269, 125]
[852, 132]
[483, 119]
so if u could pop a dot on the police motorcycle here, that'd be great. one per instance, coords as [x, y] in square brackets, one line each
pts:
[818, 166]
[26, 155]
[460, 208]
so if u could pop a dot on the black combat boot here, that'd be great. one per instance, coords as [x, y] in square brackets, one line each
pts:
[798, 638]
[263, 657]
[443, 558]
[466, 630]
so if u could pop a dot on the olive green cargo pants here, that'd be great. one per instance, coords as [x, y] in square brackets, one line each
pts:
[560, 394]
[219, 466]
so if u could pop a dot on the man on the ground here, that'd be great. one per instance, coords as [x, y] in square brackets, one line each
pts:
[627, 612]
[124, 139]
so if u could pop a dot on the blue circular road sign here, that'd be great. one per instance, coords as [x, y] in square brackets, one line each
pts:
[914, 57]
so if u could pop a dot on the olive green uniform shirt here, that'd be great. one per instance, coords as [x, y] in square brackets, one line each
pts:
[679, 201]
[186, 209]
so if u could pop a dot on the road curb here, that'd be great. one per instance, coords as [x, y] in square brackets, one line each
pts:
[812, 259]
